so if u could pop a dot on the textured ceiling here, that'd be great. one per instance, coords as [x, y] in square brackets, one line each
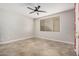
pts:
[50, 8]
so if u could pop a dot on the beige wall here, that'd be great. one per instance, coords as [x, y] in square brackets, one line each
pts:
[14, 25]
[66, 33]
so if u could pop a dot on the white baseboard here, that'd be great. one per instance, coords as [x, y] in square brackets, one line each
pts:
[32, 37]
[55, 40]
[10, 41]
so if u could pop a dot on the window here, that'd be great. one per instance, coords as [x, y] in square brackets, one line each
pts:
[50, 24]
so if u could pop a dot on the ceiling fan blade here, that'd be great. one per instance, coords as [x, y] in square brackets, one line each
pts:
[31, 12]
[38, 7]
[30, 8]
[41, 11]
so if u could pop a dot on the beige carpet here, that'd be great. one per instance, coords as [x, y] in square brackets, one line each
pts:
[37, 47]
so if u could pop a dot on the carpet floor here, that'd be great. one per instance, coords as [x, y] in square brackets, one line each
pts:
[37, 47]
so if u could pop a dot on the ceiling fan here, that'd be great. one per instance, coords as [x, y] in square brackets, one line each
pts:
[36, 9]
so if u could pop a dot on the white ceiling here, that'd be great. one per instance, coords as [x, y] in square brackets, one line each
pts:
[50, 8]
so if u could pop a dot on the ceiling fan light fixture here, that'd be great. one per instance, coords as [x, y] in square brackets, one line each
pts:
[36, 9]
